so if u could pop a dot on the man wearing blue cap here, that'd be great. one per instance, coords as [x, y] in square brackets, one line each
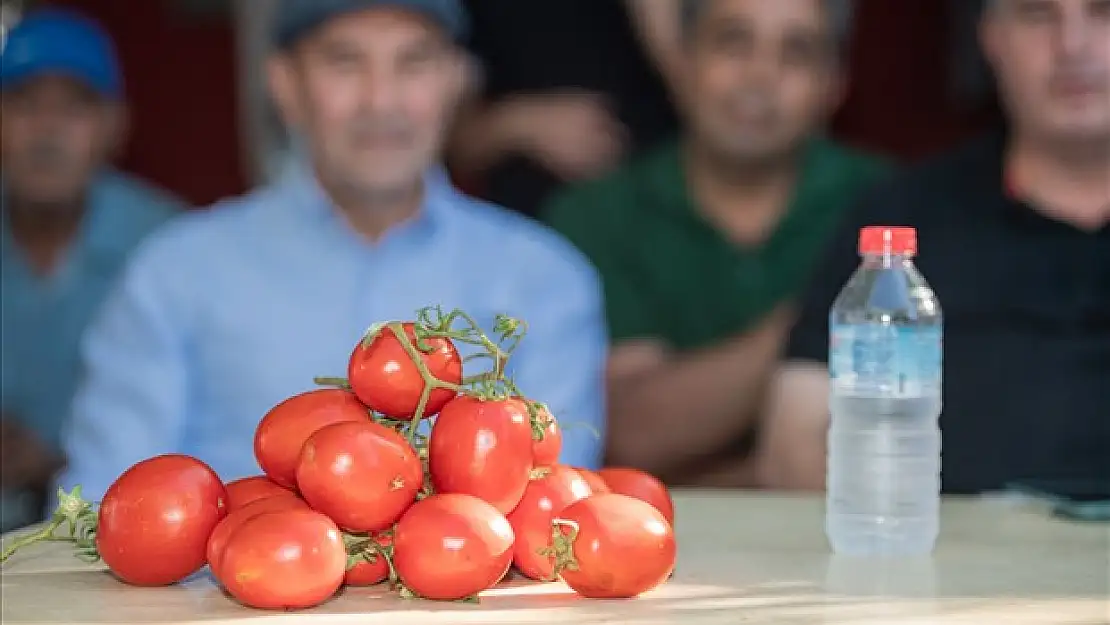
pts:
[68, 221]
[229, 311]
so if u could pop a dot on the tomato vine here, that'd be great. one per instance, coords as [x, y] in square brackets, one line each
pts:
[460, 328]
[367, 548]
[75, 517]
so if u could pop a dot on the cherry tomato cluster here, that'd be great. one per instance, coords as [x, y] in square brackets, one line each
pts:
[353, 493]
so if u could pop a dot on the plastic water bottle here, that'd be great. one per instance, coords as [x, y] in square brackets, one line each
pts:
[883, 484]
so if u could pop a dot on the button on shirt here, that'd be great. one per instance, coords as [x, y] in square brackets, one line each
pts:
[44, 316]
[229, 311]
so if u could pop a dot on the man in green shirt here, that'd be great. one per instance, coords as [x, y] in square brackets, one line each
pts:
[704, 245]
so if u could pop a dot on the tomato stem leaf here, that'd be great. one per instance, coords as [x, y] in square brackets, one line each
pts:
[367, 548]
[77, 516]
[563, 535]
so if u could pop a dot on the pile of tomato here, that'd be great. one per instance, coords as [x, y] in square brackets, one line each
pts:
[352, 494]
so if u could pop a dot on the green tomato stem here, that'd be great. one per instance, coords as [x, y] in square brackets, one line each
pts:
[431, 382]
[73, 511]
[332, 382]
[44, 534]
[562, 546]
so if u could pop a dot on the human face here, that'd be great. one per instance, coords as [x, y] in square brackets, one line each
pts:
[1052, 62]
[372, 93]
[56, 133]
[762, 76]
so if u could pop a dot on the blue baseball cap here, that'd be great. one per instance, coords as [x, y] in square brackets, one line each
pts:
[61, 42]
[295, 18]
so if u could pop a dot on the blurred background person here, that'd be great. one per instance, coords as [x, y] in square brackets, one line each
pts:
[69, 221]
[10, 13]
[219, 106]
[229, 311]
[704, 244]
[1014, 237]
[266, 149]
[565, 91]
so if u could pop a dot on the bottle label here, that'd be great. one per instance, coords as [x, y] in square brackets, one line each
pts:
[871, 360]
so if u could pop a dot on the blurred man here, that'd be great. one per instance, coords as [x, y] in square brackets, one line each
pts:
[569, 90]
[1014, 237]
[703, 245]
[69, 221]
[232, 310]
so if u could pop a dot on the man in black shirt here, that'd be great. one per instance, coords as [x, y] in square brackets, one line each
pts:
[568, 89]
[1014, 237]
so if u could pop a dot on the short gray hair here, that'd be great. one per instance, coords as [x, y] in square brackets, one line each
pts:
[841, 17]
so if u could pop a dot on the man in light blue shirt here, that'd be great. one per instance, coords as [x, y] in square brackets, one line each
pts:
[227, 312]
[67, 224]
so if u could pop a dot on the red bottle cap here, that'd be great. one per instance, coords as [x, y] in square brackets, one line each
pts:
[884, 240]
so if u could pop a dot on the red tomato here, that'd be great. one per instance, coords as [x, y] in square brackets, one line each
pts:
[284, 430]
[545, 498]
[217, 542]
[545, 453]
[374, 570]
[250, 489]
[154, 521]
[361, 474]
[482, 448]
[284, 560]
[642, 486]
[386, 379]
[450, 547]
[597, 485]
[619, 547]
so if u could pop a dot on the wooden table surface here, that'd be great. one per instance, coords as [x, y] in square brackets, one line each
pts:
[744, 559]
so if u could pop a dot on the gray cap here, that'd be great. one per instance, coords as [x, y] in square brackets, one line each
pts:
[295, 18]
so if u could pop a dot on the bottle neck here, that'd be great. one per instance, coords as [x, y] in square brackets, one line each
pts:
[887, 261]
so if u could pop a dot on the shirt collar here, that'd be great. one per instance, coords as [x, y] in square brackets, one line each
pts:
[96, 235]
[992, 177]
[101, 228]
[308, 198]
[815, 176]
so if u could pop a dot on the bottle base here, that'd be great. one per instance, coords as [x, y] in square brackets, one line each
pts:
[880, 537]
[881, 549]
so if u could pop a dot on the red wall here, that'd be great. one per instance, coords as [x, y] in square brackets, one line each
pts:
[898, 97]
[180, 76]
